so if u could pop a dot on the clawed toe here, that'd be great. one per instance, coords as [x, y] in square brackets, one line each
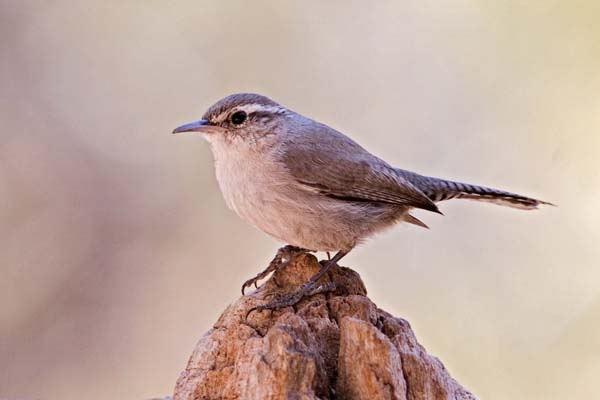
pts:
[290, 299]
[282, 258]
[250, 282]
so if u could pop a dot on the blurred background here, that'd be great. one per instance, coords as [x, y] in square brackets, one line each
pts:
[117, 251]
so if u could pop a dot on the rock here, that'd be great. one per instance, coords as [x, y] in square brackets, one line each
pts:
[337, 345]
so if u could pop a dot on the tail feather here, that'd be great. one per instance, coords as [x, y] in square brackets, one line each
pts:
[506, 199]
[440, 190]
[411, 219]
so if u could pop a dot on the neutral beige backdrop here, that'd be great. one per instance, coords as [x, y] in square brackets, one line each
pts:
[117, 251]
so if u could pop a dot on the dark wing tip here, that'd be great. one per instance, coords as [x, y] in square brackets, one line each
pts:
[430, 206]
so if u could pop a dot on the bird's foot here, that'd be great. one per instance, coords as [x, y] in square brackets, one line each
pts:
[308, 289]
[282, 258]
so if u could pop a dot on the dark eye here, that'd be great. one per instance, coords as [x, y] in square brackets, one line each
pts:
[238, 117]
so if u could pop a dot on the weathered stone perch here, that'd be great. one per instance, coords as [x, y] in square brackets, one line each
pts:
[330, 346]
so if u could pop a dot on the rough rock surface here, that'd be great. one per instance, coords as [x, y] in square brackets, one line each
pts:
[337, 345]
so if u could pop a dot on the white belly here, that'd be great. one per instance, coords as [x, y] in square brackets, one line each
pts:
[261, 191]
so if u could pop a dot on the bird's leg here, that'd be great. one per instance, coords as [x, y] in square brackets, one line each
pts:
[281, 259]
[307, 289]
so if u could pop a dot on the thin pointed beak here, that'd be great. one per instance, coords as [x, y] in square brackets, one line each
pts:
[192, 126]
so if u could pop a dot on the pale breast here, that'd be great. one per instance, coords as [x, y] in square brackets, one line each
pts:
[262, 192]
[255, 186]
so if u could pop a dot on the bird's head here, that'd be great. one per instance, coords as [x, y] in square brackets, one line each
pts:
[239, 116]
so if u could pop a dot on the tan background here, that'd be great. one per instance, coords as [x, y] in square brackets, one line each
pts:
[117, 251]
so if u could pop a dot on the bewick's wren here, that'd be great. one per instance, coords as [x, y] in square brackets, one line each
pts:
[312, 187]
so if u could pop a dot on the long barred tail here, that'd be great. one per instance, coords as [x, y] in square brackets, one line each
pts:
[440, 190]
[447, 190]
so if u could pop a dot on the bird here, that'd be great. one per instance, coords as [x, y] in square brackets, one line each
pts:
[314, 188]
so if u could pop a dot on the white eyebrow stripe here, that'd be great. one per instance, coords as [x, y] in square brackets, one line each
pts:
[250, 108]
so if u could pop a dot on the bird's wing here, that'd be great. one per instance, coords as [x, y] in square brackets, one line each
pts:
[336, 166]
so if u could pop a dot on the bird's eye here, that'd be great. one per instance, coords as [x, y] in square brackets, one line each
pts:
[238, 117]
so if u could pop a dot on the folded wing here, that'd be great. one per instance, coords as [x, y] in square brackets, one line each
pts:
[335, 166]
